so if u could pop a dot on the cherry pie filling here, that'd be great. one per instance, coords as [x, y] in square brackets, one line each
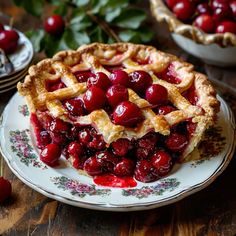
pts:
[146, 159]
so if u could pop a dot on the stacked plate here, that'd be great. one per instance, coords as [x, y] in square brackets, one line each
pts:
[21, 60]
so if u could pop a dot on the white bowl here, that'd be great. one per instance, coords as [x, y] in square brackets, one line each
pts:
[211, 53]
[196, 42]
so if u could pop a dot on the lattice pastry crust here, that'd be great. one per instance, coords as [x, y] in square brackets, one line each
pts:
[96, 57]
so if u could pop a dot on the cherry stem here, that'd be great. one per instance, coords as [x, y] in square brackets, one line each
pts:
[104, 26]
[11, 22]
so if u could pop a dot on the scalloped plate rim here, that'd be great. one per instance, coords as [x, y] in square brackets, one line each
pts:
[125, 207]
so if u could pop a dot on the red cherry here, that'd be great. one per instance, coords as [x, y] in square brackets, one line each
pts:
[94, 98]
[226, 26]
[156, 94]
[171, 3]
[58, 125]
[107, 160]
[162, 162]
[97, 142]
[45, 139]
[50, 154]
[117, 93]
[163, 110]
[1, 27]
[83, 76]
[121, 146]
[233, 7]
[92, 166]
[5, 189]
[125, 167]
[142, 153]
[146, 146]
[184, 9]
[75, 107]
[8, 41]
[169, 75]
[46, 121]
[73, 132]
[75, 149]
[54, 25]
[120, 77]
[127, 114]
[140, 80]
[75, 152]
[54, 85]
[205, 22]
[100, 80]
[85, 136]
[176, 142]
[58, 138]
[14, 35]
[144, 172]
[222, 13]
[203, 8]
[218, 3]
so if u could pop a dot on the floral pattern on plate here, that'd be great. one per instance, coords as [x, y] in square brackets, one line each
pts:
[167, 184]
[23, 109]
[77, 188]
[23, 150]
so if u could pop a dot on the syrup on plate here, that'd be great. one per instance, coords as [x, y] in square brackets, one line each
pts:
[110, 180]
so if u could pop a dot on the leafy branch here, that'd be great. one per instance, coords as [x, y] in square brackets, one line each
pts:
[87, 21]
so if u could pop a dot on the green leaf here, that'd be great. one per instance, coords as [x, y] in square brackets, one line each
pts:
[80, 22]
[33, 7]
[143, 35]
[18, 2]
[36, 37]
[56, 2]
[113, 9]
[77, 16]
[97, 5]
[53, 44]
[111, 15]
[130, 18]
[97, 35]
[61, 9]
[129, 36]
[111, 40]
[74, 39]
[146, 34]
[80, 3]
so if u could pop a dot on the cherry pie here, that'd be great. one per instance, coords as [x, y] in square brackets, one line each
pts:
[123, 109]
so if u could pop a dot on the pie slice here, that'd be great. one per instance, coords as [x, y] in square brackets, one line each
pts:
[123, 109]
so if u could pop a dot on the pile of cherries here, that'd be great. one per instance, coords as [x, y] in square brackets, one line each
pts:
[213, 16]
[139, 158]
[8, 39]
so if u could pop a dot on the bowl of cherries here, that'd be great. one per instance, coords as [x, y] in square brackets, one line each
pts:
[205, 29]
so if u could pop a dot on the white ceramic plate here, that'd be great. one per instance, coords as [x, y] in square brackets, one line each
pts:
[14, 76]
[8, 89]
[13, 82]
[66, 185]
[22, 56]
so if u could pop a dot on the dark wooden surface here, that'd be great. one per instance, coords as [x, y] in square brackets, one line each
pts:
[211, 211]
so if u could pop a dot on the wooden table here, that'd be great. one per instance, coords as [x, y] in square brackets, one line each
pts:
[211, 211]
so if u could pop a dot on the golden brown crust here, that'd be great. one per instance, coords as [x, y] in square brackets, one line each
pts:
[162, 13]
[94, 57]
